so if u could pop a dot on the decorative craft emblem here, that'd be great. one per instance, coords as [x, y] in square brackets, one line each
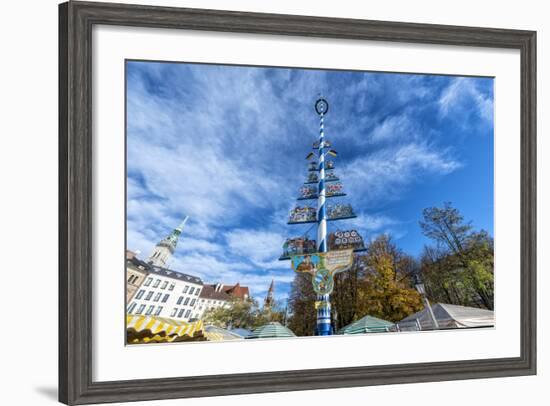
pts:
[323, 267]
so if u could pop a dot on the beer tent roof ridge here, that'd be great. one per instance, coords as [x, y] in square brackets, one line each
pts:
[271, 330]
[451, 315]
[367, 324]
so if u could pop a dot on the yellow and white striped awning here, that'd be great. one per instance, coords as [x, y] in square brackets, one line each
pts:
[147, 329]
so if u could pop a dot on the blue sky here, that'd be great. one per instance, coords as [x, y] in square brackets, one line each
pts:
[226, 145]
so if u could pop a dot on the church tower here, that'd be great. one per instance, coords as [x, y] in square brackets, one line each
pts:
[166, 247]
[270, 298]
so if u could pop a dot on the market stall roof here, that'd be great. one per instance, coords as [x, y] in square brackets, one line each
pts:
[213, 333]
[271, 330]
[145, 329]
[452, 316]
[367, 324]
[243, 332]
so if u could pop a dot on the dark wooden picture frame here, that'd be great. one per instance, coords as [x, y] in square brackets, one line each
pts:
[76, 20]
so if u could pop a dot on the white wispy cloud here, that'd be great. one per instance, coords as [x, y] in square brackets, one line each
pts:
[372, 222]
[211, 268]
[261, 247]
[226, 147]
[398, 127]
[389, 170]
[462, 92]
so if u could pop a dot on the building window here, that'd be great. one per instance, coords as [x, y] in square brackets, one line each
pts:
[172, 286]
[174, 312]
[159, 309]
[197, 292]
[150, 310]
[131, 307]
[187, 313]
[185, 289]
[179, 300]
[186, 301]
[164, 285]
[140, 309]
[148, 281]
[192, 302]
[180, 314]
[165, 298]
[149, 295]
[157, 283]
[191, 290]
[157, 297]
[140, 294]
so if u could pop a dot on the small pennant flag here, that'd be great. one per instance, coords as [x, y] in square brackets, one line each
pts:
[310, 155]
[332, 152]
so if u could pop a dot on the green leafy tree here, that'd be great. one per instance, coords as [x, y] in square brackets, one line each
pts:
[243, 314]
[446, 226]
[237, 313]
[460, 268]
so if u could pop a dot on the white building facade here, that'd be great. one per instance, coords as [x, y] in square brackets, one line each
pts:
[166, 293]
[206, 304]
[175, 295]
[219, 295]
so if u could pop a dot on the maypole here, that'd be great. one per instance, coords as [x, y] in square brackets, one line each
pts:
[323, 307]
[330, 253]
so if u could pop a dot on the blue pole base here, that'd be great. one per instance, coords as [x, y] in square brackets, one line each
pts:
[324, 330]
[324, 327]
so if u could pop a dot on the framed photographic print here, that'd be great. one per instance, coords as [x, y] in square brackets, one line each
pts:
[257, 202]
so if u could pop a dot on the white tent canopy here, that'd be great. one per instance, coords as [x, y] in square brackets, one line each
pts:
[449, 316]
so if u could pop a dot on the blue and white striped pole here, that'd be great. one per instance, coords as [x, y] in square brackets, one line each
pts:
[323, 311]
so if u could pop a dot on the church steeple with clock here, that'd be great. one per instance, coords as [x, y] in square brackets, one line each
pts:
[165, 248]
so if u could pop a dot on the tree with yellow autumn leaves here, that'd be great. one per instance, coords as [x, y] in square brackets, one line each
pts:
[378, 284]
[457, 270]
[383, 293]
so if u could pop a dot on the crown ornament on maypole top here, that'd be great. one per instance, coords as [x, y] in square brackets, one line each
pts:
[321, 106]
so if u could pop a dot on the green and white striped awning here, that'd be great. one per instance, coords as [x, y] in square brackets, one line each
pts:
[272, 330]
[367, 324]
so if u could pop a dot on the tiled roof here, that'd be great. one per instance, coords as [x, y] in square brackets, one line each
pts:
[224, 292]
[175, 274]
[157, 270]
[209, 292]
[237, 290]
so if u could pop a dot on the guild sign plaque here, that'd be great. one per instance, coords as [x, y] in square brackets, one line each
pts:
[323, 267]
